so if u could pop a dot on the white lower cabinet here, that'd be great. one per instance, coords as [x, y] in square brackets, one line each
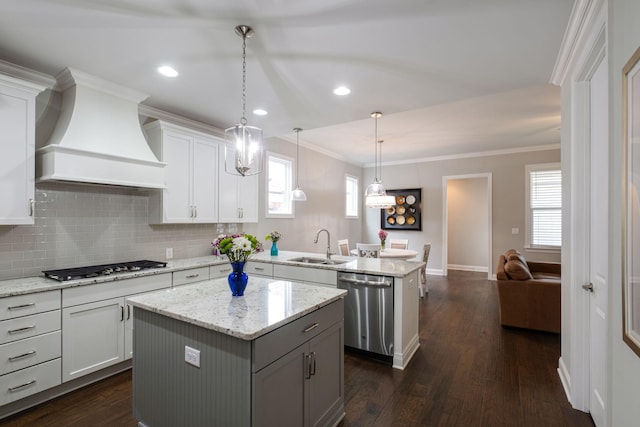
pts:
[192, 275]
[313, 276]
[97, 323]
[29, 344]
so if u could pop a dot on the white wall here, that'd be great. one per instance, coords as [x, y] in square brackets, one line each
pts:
[468, 234]
[508, 178]
[624, 39]
[323, 180]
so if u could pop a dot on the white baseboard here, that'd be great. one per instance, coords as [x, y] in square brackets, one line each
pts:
[565, 378]
[435, 271]
[476, 268]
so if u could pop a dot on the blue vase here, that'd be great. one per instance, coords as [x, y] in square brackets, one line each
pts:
[274, 249]
[237, 279]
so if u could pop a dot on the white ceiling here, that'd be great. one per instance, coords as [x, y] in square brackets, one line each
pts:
[450, 76]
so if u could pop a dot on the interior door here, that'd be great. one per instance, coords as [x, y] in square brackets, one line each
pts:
[598, 244]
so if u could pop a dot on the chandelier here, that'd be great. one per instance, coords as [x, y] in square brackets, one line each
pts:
[243, 151]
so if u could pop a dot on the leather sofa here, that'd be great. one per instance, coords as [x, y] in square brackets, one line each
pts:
[529, 292]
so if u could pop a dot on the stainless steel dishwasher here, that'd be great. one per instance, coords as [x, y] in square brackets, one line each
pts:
[368, 312]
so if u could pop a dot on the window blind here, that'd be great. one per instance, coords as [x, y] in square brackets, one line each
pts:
[546, 207]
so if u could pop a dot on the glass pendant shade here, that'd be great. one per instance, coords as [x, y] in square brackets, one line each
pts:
[381, 202]
[375, 189]
[298, 195]
[244, 153]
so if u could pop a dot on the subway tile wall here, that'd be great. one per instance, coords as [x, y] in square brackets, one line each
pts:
[77, 225]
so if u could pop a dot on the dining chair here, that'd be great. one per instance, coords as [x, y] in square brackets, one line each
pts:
[343, 247]
[423, 287]
[399, 243]
[368, 250]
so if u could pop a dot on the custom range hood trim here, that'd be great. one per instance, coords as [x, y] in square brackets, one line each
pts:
[98, 138]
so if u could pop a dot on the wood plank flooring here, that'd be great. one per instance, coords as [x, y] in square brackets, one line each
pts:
[469, 371]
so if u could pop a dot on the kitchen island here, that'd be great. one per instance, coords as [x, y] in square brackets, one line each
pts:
[274, 356]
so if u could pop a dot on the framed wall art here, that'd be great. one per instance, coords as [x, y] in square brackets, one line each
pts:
[406, 214]
[631, 203]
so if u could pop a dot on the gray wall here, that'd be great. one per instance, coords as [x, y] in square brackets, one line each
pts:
[468, 224]
[508, 176]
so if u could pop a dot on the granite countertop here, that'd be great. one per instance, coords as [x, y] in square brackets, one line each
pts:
[385, 267]
[266, 305]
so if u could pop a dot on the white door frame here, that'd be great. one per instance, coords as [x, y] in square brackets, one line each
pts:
[445, 211]
[575, 374]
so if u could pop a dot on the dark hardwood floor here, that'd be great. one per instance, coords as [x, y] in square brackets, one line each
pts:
[469, 371]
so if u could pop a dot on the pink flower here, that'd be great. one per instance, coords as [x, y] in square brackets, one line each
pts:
[382, 235]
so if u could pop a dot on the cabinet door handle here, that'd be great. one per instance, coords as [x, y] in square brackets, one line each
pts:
[259, 269]
[224, 270]
[310, 328]
[195, 211]
[128, 311]
[26, 328]
[192, 276]
[312, 369]
[307, 358]
[18, 307]
[22, 356]
[122, 313]
[21, 386]
[32, 207]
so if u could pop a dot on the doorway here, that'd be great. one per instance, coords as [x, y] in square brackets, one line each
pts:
[467, 230]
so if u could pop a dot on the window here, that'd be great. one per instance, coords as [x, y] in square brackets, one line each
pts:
[351, 193]
[279, 186]
[544, 206]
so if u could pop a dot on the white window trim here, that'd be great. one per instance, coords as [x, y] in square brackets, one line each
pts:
[357, 195]
[267, 214]
[528, 245]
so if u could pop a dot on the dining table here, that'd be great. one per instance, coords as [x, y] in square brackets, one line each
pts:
[392, 253]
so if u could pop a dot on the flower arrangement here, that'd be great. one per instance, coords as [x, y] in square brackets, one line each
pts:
[237, 247]
[382, 235]
[274, 236]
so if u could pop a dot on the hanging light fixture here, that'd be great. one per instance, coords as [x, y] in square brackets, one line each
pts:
[298, 195]
[243, 151]
[376, 195]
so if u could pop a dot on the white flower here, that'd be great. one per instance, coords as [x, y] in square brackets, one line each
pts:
[241, 244]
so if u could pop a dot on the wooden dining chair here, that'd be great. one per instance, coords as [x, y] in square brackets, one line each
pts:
[423, 287]
[399, 243]
[368, 250]
[343, 247]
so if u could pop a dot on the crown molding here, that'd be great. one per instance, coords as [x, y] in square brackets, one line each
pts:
[23, 73]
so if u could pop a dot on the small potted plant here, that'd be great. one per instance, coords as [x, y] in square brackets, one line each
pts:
[238, 248]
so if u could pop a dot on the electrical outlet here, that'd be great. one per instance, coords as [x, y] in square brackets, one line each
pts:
[515, 230]
[169, 253]
[192, 356]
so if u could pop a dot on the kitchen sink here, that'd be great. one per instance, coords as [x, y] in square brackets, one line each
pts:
[324, 261]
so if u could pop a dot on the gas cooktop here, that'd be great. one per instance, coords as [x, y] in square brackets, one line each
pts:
[66, 274]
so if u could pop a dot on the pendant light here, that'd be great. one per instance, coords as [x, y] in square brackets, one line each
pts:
[298, 195]
[376, 195]
[243, 151]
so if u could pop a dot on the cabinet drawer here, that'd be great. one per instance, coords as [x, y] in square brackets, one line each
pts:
[190, 276]
[261, 268]
[217, 271]
[26, 382]
[30, 351]
[29, 326]
[24, 305]
[306, 274]
[275, 344]
[115, 289]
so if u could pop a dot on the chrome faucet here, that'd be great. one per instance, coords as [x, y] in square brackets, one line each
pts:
[329, 253]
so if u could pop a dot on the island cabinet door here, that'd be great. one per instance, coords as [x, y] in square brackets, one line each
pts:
[280, 391]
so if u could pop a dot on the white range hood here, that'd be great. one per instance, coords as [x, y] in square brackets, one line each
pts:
[98, 138]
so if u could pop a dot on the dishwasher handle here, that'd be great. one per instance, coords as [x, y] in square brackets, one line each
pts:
[365, 283]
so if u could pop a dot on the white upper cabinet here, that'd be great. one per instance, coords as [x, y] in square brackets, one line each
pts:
[17, 140]
[191, 174]
[238, 195]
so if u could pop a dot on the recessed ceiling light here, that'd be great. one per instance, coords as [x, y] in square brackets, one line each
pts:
[167, 71]
[260, 112]
[342, 90]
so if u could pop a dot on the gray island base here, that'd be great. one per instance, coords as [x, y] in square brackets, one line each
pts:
[272, 357]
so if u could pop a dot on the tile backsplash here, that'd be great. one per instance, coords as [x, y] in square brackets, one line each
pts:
[77, 225]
